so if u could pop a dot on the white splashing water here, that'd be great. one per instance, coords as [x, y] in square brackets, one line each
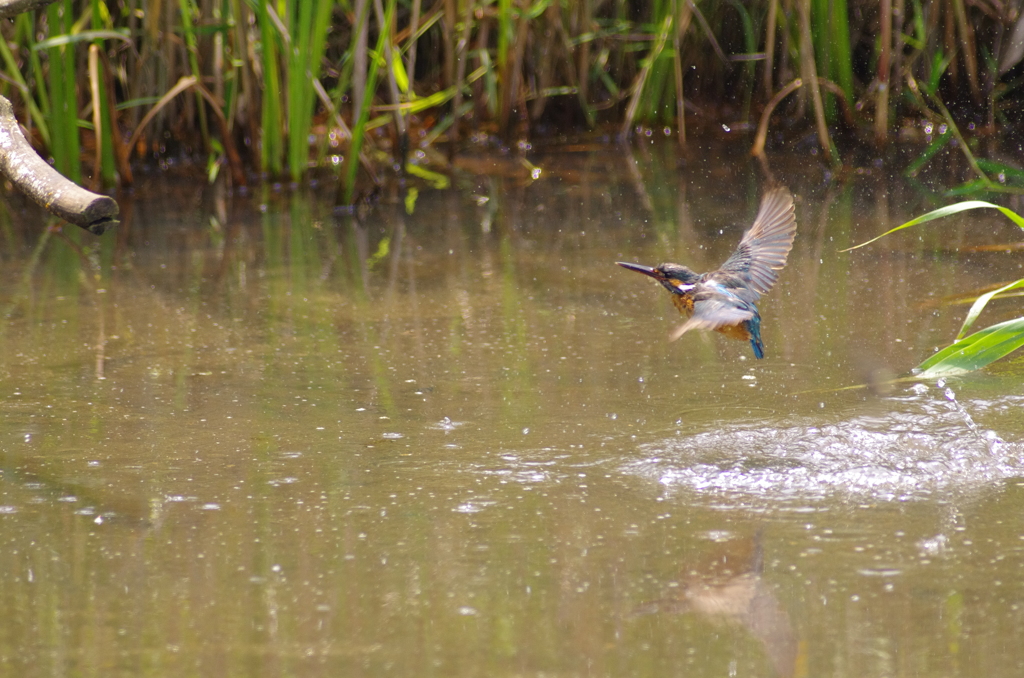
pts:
[927, 447]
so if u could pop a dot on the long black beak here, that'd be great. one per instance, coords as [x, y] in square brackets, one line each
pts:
[646, 270]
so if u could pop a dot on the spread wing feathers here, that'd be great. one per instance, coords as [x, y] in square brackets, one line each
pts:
[763, 250]
[712, 313]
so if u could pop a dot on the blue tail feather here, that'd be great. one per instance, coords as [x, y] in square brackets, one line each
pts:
[754, 327]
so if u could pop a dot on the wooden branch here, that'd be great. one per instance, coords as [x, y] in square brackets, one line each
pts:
[35, 178]
[10, 8]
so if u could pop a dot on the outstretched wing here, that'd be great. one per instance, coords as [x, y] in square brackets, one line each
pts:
[763, 250]
[714, 306]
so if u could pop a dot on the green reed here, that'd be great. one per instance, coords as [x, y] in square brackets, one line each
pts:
[305, 54]
[61, 83]
[831, 38]
[970, 352]
[362, 116]
[272, 122]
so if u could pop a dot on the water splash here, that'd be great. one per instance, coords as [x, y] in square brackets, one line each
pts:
[988, 437]
[911, 453]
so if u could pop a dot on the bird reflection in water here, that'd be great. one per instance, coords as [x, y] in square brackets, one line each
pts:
[727, 587]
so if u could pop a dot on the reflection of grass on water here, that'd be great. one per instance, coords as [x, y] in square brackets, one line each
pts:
[977, 350]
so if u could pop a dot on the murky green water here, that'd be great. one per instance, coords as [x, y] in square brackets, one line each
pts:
[252, 438]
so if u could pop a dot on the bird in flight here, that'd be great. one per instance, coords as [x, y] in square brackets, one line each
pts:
[725, 300]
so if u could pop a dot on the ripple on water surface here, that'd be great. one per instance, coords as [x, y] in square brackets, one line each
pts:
[919, 449]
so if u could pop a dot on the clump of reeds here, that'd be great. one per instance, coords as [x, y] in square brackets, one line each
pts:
[277, 87]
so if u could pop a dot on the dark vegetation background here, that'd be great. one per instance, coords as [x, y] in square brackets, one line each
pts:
[361, 87]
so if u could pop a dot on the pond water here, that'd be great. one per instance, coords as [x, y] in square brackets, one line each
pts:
[243, 435]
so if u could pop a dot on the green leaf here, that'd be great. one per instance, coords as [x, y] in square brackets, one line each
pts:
[1010, 174]
[382, 251]
[976, 351]
[84, 36]
[401, 79]
[537, 8]
[437, 180]
[972, 187]
[410, 200]
[945, 212]
[979, 305]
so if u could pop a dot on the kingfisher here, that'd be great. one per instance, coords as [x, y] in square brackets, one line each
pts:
[725, 300]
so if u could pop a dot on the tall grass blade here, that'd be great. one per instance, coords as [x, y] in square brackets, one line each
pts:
[272, 147]
[306, 51]
[986, 346]
[946, 211]
[641, 78]
[363, 114]
[979, 350]
[63, 95]
[981, 302]
[392, 67]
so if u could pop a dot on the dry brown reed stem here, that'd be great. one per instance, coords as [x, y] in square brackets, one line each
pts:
[570, 69]
[121, 151]
[248, 96]
[582, 74]
[757, 150]
[882, 93]
[968, 49]
[809, 73]
[769, 46]
[513, 78]
[677, 40]
[708, 33]
[762, 129]
[544, 62]
[186, 83]
[896, 67]
[410, 67]
[462, 54]
[182, 85]
[447, 27]
[97, 112]
[227, 140]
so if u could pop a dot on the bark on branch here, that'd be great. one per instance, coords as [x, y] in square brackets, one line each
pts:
[9, 8]
[35, 178]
